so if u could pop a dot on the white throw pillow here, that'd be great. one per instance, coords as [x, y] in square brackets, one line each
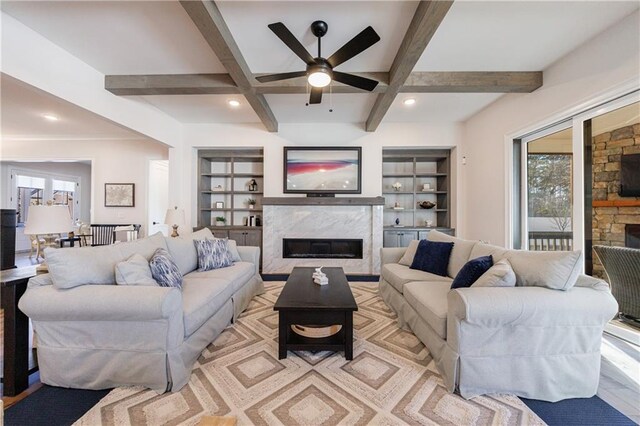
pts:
[558, 270]
[232, 246]
[134, 271]
[499, 275]
[407, 258]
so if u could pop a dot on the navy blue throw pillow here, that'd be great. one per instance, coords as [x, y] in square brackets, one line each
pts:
[471, 271]
[433, 257]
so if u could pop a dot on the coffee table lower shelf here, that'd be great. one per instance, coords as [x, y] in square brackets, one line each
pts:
[295, 342]
[288, 340]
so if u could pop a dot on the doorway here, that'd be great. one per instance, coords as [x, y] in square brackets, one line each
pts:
[158, 196]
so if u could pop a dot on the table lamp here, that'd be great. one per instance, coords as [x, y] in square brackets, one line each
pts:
[174, 217]
[46, 220]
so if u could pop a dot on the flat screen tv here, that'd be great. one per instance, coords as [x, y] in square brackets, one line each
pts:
[630, 175]
[322, 170]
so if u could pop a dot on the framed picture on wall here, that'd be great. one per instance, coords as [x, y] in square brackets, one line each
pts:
[119, 194]
[220, 205]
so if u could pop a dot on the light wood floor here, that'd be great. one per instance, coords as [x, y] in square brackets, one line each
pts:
[619, 374]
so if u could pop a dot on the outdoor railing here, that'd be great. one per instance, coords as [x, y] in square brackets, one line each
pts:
[550, 241]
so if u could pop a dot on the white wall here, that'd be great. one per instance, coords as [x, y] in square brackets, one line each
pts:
[606, 64]
[81, 170]
[113, 161]
[388, 135]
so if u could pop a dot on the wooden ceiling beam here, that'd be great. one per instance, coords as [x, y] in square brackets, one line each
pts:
[417, 82]
[472, 82]
[209, 21]
[171, 84]
[425, 22]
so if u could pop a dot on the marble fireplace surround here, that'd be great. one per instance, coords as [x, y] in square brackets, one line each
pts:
[322, 217]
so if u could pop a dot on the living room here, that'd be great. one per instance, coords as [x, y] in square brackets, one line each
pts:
[462, 89]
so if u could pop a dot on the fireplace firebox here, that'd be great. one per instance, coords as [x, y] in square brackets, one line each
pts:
[315, 248]
[632, 236]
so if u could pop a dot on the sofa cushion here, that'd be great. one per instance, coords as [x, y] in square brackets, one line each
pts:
[202, 297]
[134, 271]
[483, 249]
[499, 275]
[184, 251]
[471, 271]
[95, 265]
[459, 255]
[212, 254]
[164, 270]
[237, 274]
[429, 300]
[433, 257]
[398, 275]
[557, 270]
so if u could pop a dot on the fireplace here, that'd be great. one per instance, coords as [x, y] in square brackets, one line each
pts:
[632, 236]
[321, 248]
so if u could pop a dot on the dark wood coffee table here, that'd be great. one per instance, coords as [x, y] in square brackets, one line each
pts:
[305, 303]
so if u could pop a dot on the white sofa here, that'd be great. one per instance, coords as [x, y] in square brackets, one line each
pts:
[531, 341]
[97, 335]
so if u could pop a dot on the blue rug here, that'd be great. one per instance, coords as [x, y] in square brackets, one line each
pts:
[60, 406]
[51, 406]
[578, 412]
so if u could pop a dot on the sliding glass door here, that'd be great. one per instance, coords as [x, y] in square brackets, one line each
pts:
[547, 189]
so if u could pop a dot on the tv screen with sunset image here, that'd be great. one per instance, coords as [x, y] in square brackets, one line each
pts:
[322, 170]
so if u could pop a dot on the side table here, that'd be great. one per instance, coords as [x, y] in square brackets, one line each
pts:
[71, 241]
[13, 283]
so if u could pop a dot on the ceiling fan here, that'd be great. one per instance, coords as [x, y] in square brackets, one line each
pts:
[320, 71]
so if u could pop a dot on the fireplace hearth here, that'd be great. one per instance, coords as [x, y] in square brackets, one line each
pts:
[321, 248]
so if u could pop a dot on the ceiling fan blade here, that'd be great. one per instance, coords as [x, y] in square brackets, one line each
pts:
[282, 76]
[355, 81]
[291, 41]
[367, 38]
[316, 95]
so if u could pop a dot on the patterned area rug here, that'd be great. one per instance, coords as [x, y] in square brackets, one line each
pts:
[392, 380]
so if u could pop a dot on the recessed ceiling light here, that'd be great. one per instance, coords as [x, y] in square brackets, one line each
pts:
[409, 101]
[50, 117]
[233, 103]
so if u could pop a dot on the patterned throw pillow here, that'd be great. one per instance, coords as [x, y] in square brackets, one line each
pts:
[213, 254]
[471, 271]
[164, 270]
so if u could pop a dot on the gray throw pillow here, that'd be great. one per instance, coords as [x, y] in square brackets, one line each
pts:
[164, 270]
[499, 275]
[134, 271]
[213, 254]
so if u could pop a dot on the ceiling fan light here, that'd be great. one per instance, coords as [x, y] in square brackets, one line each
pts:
[319, 78]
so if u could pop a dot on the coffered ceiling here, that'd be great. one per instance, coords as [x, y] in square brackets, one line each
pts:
[160, 38]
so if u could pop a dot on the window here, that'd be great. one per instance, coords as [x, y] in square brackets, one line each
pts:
[63, 194]
[30, 191]
[33, 188]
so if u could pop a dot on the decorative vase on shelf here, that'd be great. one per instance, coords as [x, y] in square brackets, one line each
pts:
[426, 204]
[397, 221]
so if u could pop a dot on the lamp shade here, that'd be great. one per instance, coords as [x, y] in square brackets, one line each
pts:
[42, 220]
[174, 216]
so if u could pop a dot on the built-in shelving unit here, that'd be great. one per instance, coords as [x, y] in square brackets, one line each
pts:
[224, 177]
[413, 168]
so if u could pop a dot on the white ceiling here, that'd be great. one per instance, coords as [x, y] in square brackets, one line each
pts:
[23, 107]
[156, 37]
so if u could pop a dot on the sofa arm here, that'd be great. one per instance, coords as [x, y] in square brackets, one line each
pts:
[532, 306]
[250, 254]
[391, 254]
[101, 303]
